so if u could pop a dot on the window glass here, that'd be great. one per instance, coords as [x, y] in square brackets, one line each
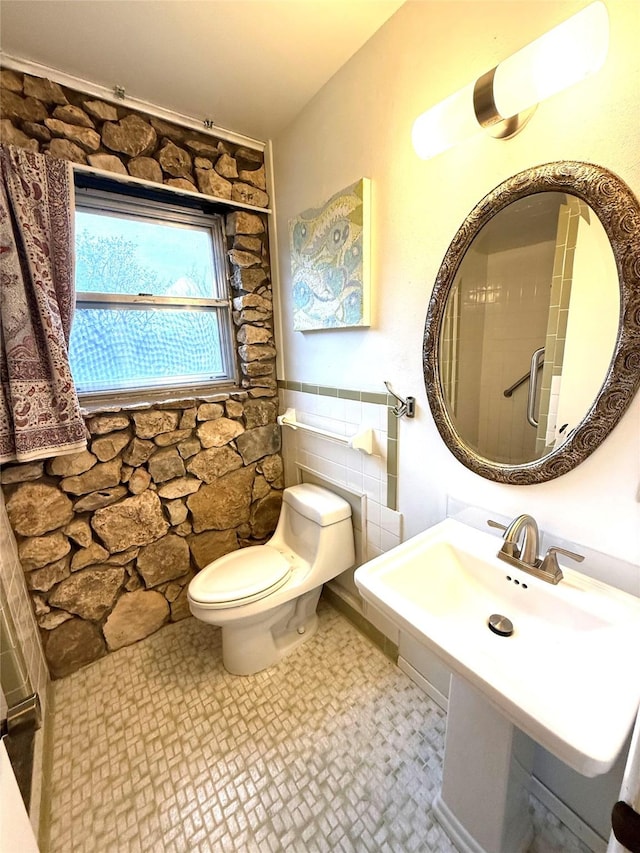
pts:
[113, 349]
[124, 254]
[152, 302]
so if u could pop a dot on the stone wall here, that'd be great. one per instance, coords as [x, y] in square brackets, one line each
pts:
[40, 115]
[110, 538]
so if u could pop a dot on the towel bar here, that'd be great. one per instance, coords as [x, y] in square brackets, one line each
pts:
[361, 440]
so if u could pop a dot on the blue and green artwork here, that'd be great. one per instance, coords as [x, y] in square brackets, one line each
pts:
[330, 262]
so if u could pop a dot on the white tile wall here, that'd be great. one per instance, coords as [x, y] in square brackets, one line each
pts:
[356, 471]
[16, 599]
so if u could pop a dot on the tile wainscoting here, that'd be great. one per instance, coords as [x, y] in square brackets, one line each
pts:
[24, 670]
[373, 476]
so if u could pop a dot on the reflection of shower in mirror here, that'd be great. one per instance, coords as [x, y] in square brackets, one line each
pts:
[529, 346]
[520, 314]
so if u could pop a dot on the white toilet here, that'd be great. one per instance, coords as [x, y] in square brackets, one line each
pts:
[264, 598]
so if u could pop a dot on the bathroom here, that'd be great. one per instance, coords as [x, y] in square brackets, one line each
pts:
[358, 125]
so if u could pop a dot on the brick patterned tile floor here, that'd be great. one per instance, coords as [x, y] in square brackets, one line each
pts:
[157, 748]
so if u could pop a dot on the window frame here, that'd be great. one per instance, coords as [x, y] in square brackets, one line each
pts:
[94, 193]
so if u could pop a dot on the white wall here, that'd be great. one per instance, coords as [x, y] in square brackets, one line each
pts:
[591, 335]
[359, 125]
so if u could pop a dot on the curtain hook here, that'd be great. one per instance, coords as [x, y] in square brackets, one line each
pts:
[406, 407]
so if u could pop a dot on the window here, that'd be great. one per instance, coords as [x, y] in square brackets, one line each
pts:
[152, 302]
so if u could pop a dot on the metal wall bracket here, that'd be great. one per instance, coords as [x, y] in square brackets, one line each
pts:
[404, 407]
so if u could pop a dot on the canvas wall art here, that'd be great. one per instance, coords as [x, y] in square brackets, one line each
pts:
[329, 248]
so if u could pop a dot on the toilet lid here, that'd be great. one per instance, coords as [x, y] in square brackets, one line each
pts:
[240, 577]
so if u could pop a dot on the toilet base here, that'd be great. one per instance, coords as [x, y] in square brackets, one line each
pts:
[253, 644]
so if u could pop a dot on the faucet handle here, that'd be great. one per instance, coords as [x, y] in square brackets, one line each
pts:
[550, 561]
[509, 548]
[555, 550]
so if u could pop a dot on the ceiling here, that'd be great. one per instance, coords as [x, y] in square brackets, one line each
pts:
[250, 66]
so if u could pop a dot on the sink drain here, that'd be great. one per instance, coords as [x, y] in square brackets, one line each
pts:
[500, 625]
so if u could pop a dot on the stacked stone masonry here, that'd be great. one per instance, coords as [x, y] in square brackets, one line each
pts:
[109, 538]
[41, 115]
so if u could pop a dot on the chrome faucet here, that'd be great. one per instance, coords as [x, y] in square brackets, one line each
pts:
[520, 549]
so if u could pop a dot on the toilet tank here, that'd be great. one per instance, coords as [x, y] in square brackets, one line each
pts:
[316, 525]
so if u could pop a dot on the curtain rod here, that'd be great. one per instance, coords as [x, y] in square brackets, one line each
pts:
[96, 90]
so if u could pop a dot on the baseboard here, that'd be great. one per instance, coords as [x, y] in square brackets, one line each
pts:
[569, 818]
[351, 611]
[426, 686]
[454, 829]
[43, 807]
[465, 842]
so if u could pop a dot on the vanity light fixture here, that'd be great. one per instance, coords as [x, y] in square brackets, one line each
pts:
[502, 100]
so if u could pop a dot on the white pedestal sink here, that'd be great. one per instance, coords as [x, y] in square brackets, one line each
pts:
[562, 677]
[481, 744]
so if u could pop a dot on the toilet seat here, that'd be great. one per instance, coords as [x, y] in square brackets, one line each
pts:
[240, 577]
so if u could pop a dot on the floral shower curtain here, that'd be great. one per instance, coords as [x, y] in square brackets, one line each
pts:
[39, 410]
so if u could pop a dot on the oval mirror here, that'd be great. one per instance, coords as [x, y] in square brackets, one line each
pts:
[532, 339]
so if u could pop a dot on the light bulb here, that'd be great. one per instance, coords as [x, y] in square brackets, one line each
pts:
[444, 125]
[565, 55]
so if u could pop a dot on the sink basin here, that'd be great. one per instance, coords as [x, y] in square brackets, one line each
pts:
[568, 674]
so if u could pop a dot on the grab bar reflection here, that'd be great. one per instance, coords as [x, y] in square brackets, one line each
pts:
[537, 359]
[509, 391]
[361, 440]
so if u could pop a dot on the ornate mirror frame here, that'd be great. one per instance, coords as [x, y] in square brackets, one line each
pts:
[619, 212]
